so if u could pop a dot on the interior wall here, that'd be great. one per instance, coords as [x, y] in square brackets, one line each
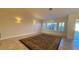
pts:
[9, 28]
[71, 24]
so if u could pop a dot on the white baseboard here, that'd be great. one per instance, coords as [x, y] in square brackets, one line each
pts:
[71, 38]
[20, 36]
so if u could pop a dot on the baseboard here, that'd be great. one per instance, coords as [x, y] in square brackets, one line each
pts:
[70, 37]
[58, 34]
[21, 36]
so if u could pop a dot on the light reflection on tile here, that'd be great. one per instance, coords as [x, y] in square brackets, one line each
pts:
[62, 42]
[70, 44]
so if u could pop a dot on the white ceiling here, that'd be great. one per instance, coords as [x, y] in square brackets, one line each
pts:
[52, 14]
[40, 13]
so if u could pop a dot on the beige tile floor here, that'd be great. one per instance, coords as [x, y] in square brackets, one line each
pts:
[66, 45]
[14, 44]
[11, 45]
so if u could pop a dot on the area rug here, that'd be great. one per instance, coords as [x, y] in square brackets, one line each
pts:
[42, 42]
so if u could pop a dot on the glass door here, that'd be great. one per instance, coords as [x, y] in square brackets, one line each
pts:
[61, 27]
[76, 36]
[53, 26]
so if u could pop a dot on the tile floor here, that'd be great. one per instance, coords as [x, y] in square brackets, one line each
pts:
[73, 44]
[65, 44]
[11, 45]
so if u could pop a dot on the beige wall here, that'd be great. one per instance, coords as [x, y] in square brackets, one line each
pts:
[9, 28]
[71, 24]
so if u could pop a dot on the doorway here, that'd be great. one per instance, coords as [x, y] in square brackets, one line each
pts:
[76, 36]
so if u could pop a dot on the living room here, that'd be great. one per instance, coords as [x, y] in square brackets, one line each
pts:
[20, 23]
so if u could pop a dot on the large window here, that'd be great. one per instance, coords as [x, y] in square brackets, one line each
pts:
[77, 26]
[61, 27]
[53, 26]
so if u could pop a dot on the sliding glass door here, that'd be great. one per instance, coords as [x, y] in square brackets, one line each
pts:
[53, 26]
[76, 36]
[61, 27]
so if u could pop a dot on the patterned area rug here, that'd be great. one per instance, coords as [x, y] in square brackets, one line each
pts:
[42, 42]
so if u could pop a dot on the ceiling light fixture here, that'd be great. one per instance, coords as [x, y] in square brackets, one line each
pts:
[50, 9]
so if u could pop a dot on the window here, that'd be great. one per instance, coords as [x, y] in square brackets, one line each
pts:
[77, 26]
[44, 26]
[61, 27]
[53, 26]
